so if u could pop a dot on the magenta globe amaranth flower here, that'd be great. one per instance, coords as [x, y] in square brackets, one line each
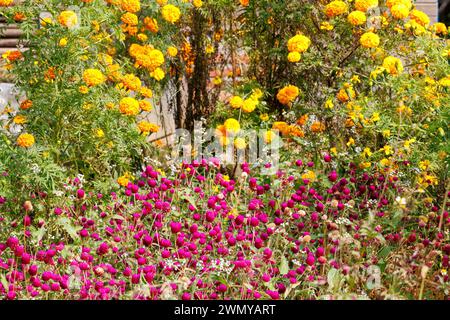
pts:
[80, 194]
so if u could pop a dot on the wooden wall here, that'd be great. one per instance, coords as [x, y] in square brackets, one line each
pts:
[430, 7]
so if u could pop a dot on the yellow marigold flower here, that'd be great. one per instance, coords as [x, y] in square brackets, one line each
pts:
[357, 18]
[264, 117]
[6, 3]
[393, 65]
[105, 59]
[172, 51]
[209, 49]
[146, 56]
[399, 11]
[25, 140]
[334, 151]
[68, 19]
[326, 26]
[217, 81]
[161, 2]
[269, 136]
[419, 17]
[131, 82]
[257, 94]
[123, 181]
[240, 143]
[158, 74]
[384, 162]
[386, 133]
[142, 37]
[145, 105]
[406, 3]
[375, 117]
[249, 105]
[151, 24]
[365, 165]
[197, 3]
[132, 6]
[370, 40]
[439, 28]
[146, 127]
[415, 28]
[298, 43]
[129, 106]
[288, 94]
[93, 77]
[335, 8]
[63, 42]
[130, 19]
[329, 104]
[232, 125]
[146, 92]
[110, 106]
[367, 152]
[424, 165]
[83, 89]
[445, 82]
[46, 21]
[99, 133]
[365, 5]
[171, 13]
[350, 142]
[294, 56]
[236, 102]
[20, 119]
[309, 175]
[387, 149]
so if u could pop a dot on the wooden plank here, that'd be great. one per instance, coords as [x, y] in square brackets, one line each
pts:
[11, 33]
[430, 7]
[12, 42]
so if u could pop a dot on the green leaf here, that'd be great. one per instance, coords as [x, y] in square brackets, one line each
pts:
[4, 281]
[118, 217]
[284, 267]
[334, 278]
[190, 199]
[66, 224]
[38, 234]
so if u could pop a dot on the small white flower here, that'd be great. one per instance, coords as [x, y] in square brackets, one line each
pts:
[400, 201]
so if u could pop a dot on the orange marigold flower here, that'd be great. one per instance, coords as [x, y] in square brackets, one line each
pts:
[288, 94]
[25, 140]
[26, 104]
[132, 6]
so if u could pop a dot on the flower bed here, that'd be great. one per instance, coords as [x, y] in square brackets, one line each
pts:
[197, 234]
